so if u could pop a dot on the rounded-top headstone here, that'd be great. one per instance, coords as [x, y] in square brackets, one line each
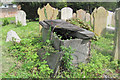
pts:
[81, 14]
[100, 20]
[66, 13]
[21, 17]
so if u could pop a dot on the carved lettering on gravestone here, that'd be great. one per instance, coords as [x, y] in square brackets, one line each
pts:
[66, 13]
[87, 17]
[100, 20]
[21, 17]
[117, 35]
[81, 14]
[51, 13]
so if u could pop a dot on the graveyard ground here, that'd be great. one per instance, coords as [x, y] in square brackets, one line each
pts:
[17, 63]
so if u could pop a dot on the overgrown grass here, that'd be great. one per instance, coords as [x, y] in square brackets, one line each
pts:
[8, 18]
[26, 64]
[29, 31]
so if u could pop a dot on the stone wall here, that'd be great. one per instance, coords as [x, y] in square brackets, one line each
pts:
[8, 12]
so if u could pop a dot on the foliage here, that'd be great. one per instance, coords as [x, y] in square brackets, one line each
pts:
[19, 24]
[67, 58]
[81, 24]
[26, 51]
[5, 22]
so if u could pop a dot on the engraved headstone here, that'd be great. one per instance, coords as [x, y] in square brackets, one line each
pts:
[100, 20]
[81, 14]
[66, 13]
[47, 13]
[21, 17]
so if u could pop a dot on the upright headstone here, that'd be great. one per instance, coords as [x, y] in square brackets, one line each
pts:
[74, 16]
[47, 13]
[92, 17]
[66, 13]
[81, 14]
[109, 19]
[100, 20]
[87, 17]
[21, 17]
[113, 20]
[91, 20]
[117, 34]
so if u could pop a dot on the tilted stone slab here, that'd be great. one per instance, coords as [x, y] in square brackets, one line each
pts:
[12, 34]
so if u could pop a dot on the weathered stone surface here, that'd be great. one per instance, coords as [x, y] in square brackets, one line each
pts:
[81, 14]
[100, 20]
[21, 17]
[87, 17]
[80, 43]
[109, 19]
[12, 34]
[50, 12]
[66, 13]
[81, 49]
[117, 34]
[75, 30]
[74, 16]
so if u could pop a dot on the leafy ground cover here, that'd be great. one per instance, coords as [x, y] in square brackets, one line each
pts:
[22, 61]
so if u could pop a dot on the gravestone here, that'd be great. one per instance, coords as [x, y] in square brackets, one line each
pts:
[79, 42]
[100, 20]
[81, 14]
[66, 13]
[109, 19]
[87, 17]
[117, 35]
[91, 20]
[51, 13]
[12, 34]
[21, 17]
[74, 16]
[113, 20]
[92, 17]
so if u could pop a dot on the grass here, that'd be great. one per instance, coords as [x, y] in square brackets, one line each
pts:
[103, 45]
[9, 19]
[31, 30]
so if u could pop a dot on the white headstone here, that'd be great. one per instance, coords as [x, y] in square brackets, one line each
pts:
[66, 13]
[109, 19]
[12, 34]
[21, 17]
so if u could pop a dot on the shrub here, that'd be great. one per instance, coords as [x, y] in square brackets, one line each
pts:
[19, 24]
[5, 22]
